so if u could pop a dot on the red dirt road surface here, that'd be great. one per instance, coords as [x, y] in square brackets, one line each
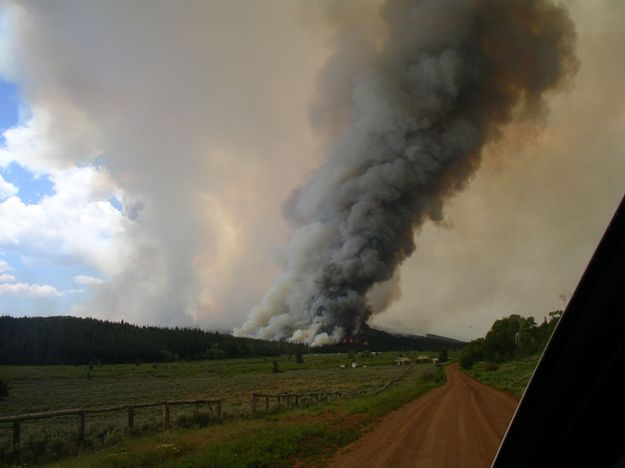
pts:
[457, 425]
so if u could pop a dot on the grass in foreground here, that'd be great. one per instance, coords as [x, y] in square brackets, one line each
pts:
[306, 436]
[511, 377]
[45, 388]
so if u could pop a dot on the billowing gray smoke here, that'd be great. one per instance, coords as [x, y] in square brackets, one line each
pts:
[441, 79]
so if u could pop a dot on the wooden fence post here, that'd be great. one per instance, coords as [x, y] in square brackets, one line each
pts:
[81, 427]
[131, 417]
[296, 401]
[219, 409]
[266, 404]
[196, 410]
[166, 416]
[253, 404]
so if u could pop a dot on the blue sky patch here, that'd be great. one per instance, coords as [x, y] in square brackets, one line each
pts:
[34, 271]
[116, 204]
[9, 106]
[13, 259]
[60, 276]
[31, 188]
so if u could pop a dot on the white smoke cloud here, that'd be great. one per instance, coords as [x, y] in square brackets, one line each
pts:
[189, 111]
[49, 141]
[196, 116]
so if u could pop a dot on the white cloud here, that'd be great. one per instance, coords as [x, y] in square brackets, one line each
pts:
[4, 266]
[87, 280]
[7, 189]
[29, 290]
[76, 223]
[6, 278]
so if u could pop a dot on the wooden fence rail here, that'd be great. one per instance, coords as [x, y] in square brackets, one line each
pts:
[214, 405]
[291, 400]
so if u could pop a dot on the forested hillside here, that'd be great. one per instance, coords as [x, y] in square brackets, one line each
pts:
[379, 340]
[72, 340]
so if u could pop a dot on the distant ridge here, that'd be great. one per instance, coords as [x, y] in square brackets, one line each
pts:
[452, 340]
[379, 340]
[74, 340]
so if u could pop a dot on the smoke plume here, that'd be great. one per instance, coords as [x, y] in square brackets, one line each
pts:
[407, 109]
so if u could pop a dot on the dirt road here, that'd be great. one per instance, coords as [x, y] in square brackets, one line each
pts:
[457, 425]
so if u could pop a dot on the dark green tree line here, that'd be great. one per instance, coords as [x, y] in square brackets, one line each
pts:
[72, 340]
[509, 338]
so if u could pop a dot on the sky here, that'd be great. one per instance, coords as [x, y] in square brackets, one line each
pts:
[147, 153]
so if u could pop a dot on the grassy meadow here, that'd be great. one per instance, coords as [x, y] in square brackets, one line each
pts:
[44, 388]
[511, 376]
[301, 437]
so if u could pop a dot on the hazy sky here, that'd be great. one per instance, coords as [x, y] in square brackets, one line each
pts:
[148, 149]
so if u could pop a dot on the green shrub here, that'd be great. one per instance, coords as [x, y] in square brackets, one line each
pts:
[466, 360]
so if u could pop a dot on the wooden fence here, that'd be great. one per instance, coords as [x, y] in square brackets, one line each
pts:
[214, 406]
[291, 400]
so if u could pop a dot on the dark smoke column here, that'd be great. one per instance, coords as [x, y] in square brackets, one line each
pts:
[441, 82]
